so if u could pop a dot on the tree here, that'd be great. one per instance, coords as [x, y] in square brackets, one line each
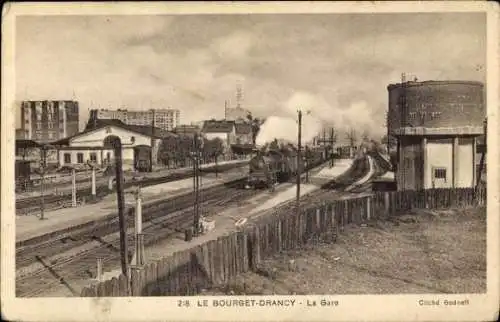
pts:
[214, 149]
[256, 124]
[166, 151]
[352, 137]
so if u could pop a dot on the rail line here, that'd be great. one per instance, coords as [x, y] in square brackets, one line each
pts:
[33, 203]
[334, 189]
[77, 259]
[60, 241]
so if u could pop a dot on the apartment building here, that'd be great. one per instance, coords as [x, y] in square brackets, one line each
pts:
[166, 119]
[46, 121]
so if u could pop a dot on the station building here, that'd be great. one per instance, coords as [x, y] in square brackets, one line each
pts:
[89, 145]
[436, 124]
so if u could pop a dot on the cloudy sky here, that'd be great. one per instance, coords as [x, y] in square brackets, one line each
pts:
[336, 65]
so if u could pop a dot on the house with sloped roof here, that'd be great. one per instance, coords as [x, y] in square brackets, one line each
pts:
[243, 132]
[187, 129]
[223, 129]
[89, 145]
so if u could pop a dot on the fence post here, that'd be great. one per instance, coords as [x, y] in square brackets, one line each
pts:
[386, 202]
[93, 183]
[73, 188]
[368, 208]
[99, 269]
[316, 223]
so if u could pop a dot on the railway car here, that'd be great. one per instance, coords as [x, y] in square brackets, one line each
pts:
[274, 166]
[23, 173]
[142, 158]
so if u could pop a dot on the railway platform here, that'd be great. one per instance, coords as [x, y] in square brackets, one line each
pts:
[225, 222]
[28, 227]
[328, 173]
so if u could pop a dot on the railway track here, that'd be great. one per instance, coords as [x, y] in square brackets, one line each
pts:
[42, 265]
[78, 260]
[32, 204]
[335, 189]
[72, 237]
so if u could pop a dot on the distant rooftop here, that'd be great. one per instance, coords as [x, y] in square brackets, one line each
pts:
[434, 82]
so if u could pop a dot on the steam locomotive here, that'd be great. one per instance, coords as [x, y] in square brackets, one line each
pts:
[276, 165]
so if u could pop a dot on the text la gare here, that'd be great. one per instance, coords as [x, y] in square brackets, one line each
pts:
[322, 302]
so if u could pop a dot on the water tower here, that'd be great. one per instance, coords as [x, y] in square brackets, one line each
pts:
[436, 124]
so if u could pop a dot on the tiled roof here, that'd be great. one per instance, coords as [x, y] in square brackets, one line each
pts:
[243, 128]
[218, 126]
[187, 129]
[98, 124]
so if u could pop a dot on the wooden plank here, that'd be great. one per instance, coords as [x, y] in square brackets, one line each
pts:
[227, 259]
[124, 286]
[170, 282]
[279, 235]
[135, 281]
[176, 274]
[212, 248]
[220, 261]
[245, 250]
[115, 287]
[205, 253]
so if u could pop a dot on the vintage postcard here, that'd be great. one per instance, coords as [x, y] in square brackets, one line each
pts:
[206, 161]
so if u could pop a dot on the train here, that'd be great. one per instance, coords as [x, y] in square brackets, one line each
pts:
[271, 166]
[23, 176]
[142, 158]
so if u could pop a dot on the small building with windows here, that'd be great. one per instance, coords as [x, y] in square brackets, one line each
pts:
[89, 146]
[437, 124]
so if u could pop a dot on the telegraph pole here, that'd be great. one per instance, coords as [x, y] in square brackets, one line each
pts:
[117, 146]
[196, 181]
[331, 145]
[42, 183]
[153, 123]
[299, 160]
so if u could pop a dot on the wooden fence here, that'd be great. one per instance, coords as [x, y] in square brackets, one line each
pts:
[217, 261]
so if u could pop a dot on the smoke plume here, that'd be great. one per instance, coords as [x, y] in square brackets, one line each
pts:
[318, 114]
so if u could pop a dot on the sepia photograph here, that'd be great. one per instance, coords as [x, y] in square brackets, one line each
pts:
[244, 158]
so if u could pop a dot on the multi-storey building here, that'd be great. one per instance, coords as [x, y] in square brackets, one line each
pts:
[166, 119]
[46, 121]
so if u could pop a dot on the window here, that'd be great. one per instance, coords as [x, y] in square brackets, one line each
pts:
[39, 125]
[50, 125]
[67, 157]
[79, 157]
[108, 156]
[51, 135]
[93, 157]
[440, 173]
[39, 116]
[49, 116]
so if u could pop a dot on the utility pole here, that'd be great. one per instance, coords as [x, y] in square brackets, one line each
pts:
[196, 181]
[43, 165]
[117, 146]
[153, 123]
[307, 163]
[332, 133]
[299, 160]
